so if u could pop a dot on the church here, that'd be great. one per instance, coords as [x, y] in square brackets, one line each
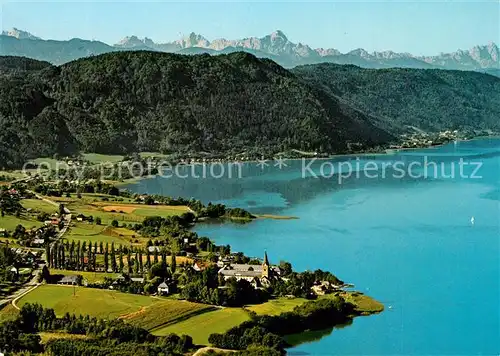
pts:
[257, 275]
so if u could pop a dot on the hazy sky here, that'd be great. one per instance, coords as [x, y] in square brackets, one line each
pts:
[419, 27]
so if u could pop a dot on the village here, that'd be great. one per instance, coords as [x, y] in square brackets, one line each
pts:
[92, 249]
[136, 244]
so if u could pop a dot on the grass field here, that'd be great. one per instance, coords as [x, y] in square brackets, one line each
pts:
[47, 336]
[166, 312]
[16, 174]
[9, 222]
[141, 209]
[152, 155]
[39, 205]
[124, 211]
[8, 312]
[99, 158]
[100, 303]
[200, 327]
[85, 232]
[277, 306]
[91, 277]
[363, 303]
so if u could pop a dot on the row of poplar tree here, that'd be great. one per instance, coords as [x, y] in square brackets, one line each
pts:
[83, 257]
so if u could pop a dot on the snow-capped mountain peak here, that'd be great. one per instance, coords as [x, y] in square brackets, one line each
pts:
[19, 34]
[193, 40]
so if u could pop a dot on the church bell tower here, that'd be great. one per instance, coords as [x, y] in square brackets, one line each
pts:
[265, 267]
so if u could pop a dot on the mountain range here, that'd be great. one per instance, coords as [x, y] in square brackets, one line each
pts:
[275, 46]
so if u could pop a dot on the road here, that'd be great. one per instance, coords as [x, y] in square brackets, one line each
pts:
[33, 283]
[67, 216]
[28, 287]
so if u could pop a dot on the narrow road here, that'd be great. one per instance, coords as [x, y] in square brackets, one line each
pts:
[28, 287]
[33, 283]
[67, 216]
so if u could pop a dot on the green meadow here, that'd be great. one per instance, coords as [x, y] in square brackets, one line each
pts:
[200, 327]
[100, 303]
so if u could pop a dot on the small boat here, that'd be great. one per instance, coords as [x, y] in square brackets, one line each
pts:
[472, 220]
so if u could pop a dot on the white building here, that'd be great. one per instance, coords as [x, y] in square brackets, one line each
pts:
[163, 289]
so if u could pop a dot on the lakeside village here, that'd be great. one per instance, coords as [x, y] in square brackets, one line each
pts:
[106, 240]
[117, 169]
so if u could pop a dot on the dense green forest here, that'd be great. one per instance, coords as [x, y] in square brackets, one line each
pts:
[148, 101]
[431, 100]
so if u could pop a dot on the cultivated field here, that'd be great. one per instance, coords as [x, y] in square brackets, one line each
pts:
[151, 313]
[110, 208]
[201, 326]
[85, 232]
[165, 312]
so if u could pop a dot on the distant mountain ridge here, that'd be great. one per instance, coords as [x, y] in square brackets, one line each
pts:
[275, 46]
[20, 34]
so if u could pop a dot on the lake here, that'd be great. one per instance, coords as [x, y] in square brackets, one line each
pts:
[425, 243]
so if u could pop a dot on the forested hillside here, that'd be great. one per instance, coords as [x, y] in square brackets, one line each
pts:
[431, 100]
[127, 102]
[148, 101]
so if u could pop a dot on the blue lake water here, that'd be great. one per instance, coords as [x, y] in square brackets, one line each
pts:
[407, 241]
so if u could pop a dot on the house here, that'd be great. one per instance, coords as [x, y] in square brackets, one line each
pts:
[198, 266]
[80, 217]
[70, 280]
[53, 221]
[38, 242]
[138, 279]
[324, 287]
[163, 289]
[153, 249]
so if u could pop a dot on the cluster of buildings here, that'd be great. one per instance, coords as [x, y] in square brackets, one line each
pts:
[257, 275]
[425, 139]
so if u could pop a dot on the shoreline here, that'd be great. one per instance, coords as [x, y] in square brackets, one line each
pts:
[383, 152]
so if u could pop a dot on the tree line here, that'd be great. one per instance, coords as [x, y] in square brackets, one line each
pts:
[105, 337]
[268, 331]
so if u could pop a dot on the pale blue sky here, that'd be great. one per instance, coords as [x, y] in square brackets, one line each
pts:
[411, 26]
